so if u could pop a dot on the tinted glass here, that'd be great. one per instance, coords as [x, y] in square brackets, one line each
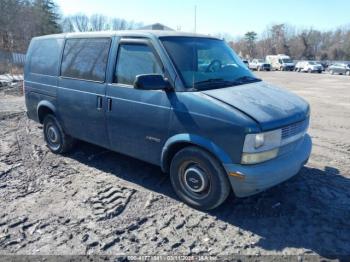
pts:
[287, 60]
[133, 60]
[85, 58]
[205, 62]
[45, 56]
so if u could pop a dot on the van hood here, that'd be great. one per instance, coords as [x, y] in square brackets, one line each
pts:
[271, 107]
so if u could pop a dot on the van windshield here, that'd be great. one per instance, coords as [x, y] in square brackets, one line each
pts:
[287, 60]
[206, 63]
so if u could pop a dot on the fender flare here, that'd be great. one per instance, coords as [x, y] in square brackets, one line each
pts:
[48, 104]
[195, 140]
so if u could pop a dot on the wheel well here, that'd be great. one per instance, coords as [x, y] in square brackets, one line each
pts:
[42, 112]
[176, 148]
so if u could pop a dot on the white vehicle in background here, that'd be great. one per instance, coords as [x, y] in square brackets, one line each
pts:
[308, 66]
[259, 65]
[280, 62]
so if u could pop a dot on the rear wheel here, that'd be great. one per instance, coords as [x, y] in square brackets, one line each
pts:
[56, 139]
[198, 178]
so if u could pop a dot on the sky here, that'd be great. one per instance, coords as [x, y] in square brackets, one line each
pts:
[232, 17]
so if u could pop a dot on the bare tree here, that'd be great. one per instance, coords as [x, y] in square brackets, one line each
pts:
[98, 22]
[80, 22]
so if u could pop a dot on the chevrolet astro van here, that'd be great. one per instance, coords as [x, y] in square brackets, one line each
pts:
[184, 102]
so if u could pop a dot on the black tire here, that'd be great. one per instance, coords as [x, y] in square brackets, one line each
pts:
[198, 178]
[56, 139]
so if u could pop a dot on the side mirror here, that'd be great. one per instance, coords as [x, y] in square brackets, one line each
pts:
[151, 82]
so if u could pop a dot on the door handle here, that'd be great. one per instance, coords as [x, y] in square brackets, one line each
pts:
[99, 102]
[109, 104]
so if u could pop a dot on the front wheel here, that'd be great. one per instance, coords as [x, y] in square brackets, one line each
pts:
[198, 178]
[56, 139]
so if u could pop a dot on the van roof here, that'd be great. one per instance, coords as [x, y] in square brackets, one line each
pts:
[125, 33]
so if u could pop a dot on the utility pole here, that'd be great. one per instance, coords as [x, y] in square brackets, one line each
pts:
[195, 18]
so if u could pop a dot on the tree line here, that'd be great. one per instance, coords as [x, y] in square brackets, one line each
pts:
[308, 44]
[96, 22]
[21, 20]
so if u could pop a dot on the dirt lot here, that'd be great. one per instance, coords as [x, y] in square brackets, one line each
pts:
[96, 201]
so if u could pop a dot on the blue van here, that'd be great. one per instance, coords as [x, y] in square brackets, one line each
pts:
[184, 102]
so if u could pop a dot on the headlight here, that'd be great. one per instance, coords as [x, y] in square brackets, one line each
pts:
[261, 147]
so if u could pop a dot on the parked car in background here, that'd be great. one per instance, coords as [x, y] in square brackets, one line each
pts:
[184, 102]
[259, 65]
[339, 68]
[324, 64]
[280, 62]
[308, 66]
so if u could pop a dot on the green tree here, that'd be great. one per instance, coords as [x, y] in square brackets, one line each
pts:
[250, 38]
[47, 17]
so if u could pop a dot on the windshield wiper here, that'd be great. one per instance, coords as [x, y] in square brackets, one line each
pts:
[220, 82]
[211, 83]
[246, 79]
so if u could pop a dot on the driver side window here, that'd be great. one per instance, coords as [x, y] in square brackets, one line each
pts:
[133, 60]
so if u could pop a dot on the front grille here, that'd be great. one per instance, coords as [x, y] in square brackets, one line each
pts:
[294, 129]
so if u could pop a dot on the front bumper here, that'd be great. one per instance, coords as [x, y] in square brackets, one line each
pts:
[252, 179]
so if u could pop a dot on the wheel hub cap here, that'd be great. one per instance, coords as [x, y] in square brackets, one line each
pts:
[195, 179]
[52, 134]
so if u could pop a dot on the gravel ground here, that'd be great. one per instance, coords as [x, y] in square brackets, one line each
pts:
[94, 201]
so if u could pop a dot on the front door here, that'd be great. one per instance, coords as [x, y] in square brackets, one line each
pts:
[82, 88]
[137, 119]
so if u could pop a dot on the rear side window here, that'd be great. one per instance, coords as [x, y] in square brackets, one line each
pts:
[133, 60]
[44, 56]
[86, 58]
